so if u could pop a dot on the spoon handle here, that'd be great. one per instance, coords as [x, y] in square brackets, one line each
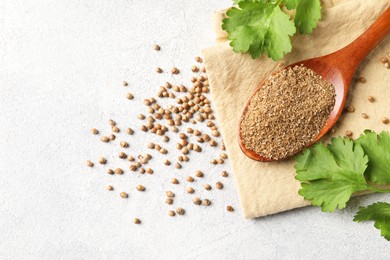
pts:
[355, 52]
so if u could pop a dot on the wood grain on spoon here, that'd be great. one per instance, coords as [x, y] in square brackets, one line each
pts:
[337, 68]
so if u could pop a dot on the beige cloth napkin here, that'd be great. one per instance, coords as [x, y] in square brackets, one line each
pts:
[268, 188]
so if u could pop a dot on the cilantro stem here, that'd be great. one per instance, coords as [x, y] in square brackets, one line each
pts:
[379, 190]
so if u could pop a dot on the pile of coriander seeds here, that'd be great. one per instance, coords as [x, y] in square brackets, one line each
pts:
[188, 108]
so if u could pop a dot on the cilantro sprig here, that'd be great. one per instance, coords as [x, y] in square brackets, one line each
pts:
[262, 27]
[331, 174]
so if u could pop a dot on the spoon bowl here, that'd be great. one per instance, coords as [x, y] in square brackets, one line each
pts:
[337, 68]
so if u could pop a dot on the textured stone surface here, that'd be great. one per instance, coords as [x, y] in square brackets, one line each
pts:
[62, 64]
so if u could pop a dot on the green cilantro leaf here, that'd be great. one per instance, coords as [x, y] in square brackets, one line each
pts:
[308, 12]
[378, 212]
[377, 148]
[330, 175]
[290, 4]
[259, 28]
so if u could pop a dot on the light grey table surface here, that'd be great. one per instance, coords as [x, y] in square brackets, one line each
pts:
[61, 68]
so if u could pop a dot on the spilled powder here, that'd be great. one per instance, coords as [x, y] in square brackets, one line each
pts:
[287, 113]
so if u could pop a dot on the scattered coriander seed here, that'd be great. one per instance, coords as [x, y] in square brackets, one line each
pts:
[174, 181]
[207, 187]
[196, 201]
[223, 155]
[203, 69]
[180, 211]
[111, 122]
[364, 115]
[112, 137]
[102, 160]
[225, 174]
[124, 144]
[115, 129]
[104, 139]
[199, 174]
[206, 202]
[125, 84]
[362, 79]
[219, 185]
[387, 65]
[140, 187]
[132, 168]
[163, 151]
[177, 165]
[123, 195]
[166, 139]
[175, 70]
[129, 96]
[110, 171]
[190, 190]
[141, 170]
[384, 60]
[151, 145]
[149, 170]
[186, 158]
[213, 161]
[159, 70]
[141, 116]
[215, 133]
[184, 150]
[371, 99]
[137, 221]
[122, 155]
[170, 194]
[195, 68]
[94, 131]
[89, 163]
[348, 133]
[143, 128]
[230, 208]
[213, 143]
[385, 120]
[171, 213]
[167, 162]
[118, 171]
[350, 109]
[180, 158]
[169, 201]
[156, 47]
[109, 187]
[198, 59]
[129, 131]
[130, 158]
[220, 161]
[190, 179]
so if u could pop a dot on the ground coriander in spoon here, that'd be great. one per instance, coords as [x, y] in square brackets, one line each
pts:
[287, 113]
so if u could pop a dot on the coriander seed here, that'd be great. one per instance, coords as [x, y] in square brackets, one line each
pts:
[111, 122]
[170, 194]
[364, 115]
[156, 47]
[207, 187]
[223, 155]
[89, 163]
[175, 70]
[384, 60]
[109, 187]
[129, 131]
[385, 120]
[149, 170]
[125, 84]
[104, 139]
[102, 160]
[230, 208]
[219, 185]
[118, 171]
[115, 129]
[169, 201]
[140, 187]
[174, 181]
[171, 213]
[122, 155]
[94, 131]
[112, 137]
[123, 194]
[190, 179]
[371, 99]
[110, 171]
[167, 162]
[348, 133]
[199, 174]
[159, 70]
[206, 202]
[190, 190]
[180, 211]
[124, 144]
[198, 59]
[362, 79]
[137, 221]
[177, 165]
[129, 96]
[225, 174]
[196, 201]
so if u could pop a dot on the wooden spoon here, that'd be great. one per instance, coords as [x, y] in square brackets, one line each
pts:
[337, 68]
